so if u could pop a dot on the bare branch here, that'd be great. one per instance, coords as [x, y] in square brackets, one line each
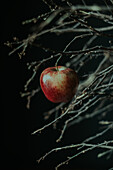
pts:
[95, 92]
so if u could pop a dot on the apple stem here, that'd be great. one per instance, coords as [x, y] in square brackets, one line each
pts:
[56, 64]
[56, 67]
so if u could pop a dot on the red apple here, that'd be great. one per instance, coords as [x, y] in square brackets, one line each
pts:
[59, 84]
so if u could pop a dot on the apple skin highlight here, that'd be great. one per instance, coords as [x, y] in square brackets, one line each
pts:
[59, 84]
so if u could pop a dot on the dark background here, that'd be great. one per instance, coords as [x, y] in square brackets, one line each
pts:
[21, 149]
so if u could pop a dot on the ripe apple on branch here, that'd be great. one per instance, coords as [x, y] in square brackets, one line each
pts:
[59, 83]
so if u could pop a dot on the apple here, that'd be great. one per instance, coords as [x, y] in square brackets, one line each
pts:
[59, 84]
